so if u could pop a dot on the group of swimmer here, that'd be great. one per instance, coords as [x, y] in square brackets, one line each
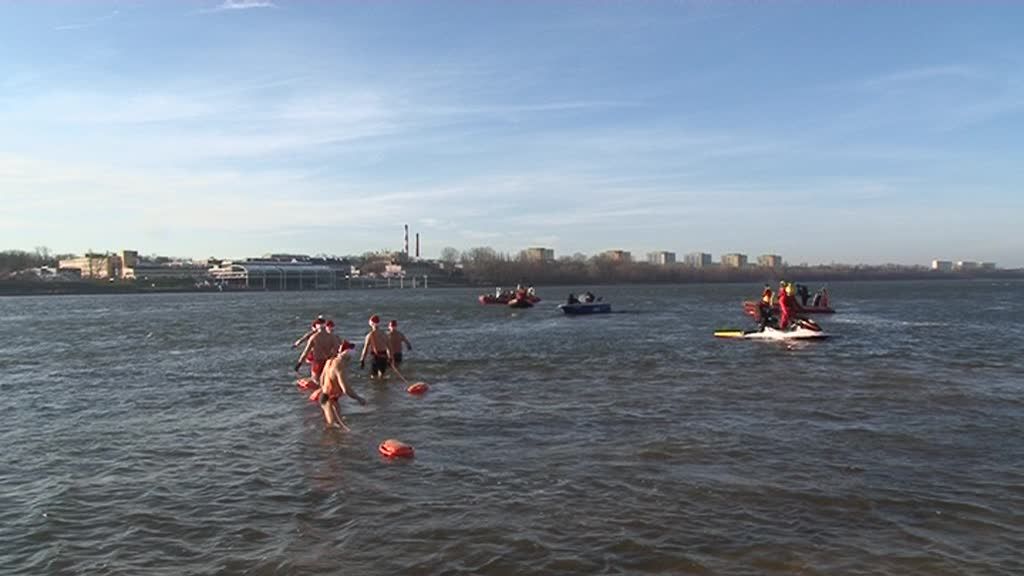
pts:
[329, 357]
[786, 300]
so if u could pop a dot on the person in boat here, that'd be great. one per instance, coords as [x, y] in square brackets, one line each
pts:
[520, 292]
[335, 385]
[498, 292]
[531, 292]
[572, 299]
[395, 341]
[804, 294]
[376, 343]
[764, 307]
[588, 297]
[313, 329]
[319, 348]
[817, 299]
[824, 297]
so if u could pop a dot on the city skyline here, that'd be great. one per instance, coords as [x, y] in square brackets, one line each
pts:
[545, 254]
[822, 132]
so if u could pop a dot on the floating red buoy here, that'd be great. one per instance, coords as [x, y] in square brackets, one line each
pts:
[392, 448]
[417, 388]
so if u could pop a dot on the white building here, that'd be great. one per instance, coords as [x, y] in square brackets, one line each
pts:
[734, 260]
[661, 258]
[697, 259]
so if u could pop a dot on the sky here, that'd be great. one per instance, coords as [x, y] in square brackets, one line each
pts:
[855, 132]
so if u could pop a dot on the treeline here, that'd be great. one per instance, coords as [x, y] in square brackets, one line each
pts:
[16, 260]
[485, 266]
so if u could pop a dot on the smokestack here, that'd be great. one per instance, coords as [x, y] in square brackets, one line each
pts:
[407, 240]
[417, 245]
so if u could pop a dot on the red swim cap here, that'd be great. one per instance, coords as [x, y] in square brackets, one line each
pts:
[330, 323]
[393, 324]
[374, 319]
[319, 320]
[346, 345]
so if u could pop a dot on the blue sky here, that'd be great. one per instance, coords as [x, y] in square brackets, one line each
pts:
[832, 131]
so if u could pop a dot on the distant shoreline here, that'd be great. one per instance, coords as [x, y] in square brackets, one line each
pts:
[50, 288]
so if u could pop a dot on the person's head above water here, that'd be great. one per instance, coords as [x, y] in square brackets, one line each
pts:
[374, 320]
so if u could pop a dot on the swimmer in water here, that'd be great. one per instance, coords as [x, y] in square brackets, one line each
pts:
[329, 328]
[335, 385]
[319, 348]
[395, 340]
[317, 325]
[376, 343]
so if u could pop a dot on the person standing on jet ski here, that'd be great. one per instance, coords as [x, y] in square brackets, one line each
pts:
[787, 304]
[764, 307]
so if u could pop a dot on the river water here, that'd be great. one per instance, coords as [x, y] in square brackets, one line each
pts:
[164, 435]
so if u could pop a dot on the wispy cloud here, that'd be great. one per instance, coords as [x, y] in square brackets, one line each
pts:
[89, 23]
[228, 5]
[913, 77]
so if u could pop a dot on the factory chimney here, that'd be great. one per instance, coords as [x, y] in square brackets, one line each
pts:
[406, 240]
[417, 245]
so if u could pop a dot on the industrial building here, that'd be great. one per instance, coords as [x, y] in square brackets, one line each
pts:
[276, 275]
[128, 266]
[93, 266]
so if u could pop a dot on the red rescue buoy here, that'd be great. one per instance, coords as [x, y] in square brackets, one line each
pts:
[392, 448]
[417, 388]
[305, 384]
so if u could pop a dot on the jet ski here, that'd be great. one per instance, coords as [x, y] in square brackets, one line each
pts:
[800, 329]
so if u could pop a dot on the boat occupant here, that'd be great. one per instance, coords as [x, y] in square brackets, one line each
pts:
[804, 294]
[572, 299]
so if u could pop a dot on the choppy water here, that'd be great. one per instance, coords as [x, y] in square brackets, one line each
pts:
[163, 434]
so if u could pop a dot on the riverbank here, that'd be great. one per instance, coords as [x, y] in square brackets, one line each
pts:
[58, 288]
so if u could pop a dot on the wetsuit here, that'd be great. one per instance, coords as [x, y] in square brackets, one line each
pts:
[786, 307]
[764, 308]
